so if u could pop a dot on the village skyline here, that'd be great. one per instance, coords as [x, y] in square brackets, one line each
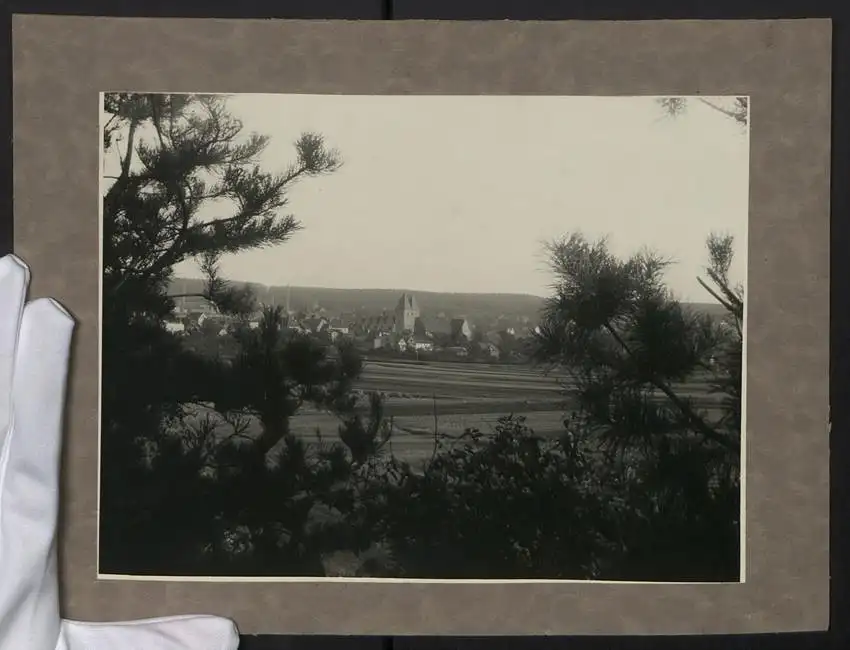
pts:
[393, 325]
[393, 321]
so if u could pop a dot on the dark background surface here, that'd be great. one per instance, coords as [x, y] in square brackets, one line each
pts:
[839, 11]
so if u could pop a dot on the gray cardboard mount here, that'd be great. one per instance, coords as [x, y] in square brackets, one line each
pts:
[61, 64]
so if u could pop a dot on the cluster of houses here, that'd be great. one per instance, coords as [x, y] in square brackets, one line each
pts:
[402, 330]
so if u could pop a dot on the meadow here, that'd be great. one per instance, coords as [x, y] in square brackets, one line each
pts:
[421, 397]
[451, 397]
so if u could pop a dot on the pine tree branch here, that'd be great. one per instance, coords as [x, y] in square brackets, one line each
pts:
[714, 295]
[128, 155]
[690, 416]
[737, 116]
[156, 120]
[108, 125]
[731, 296]
[120, 185]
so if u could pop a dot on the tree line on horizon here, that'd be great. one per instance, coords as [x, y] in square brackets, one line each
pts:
[202, 475]
[484, 306]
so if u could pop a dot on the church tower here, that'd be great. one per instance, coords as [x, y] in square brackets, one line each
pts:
[406, 313]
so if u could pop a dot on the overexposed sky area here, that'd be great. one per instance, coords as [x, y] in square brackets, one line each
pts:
[459, 193]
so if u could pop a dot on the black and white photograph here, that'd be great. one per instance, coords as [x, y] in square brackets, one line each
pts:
[422, 337]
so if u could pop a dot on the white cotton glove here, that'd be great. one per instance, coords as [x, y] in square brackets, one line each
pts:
[35, 340]
[170, 633]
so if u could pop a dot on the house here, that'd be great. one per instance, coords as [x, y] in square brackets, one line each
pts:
[175, 327]
[461, 330]
[419, 327]
[315, 325]
[382, 342]
[293, 325]
[433, 327]
[188, 302]
[415, 343]
[338, 325]
[384, 323]
[334, 333]
[213, 322]
[490, 349]
[421, 343]
[523, 333]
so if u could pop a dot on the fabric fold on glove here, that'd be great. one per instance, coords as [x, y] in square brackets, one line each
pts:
[34, 347]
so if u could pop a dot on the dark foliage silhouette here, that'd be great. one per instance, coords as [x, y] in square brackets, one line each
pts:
[202, 474]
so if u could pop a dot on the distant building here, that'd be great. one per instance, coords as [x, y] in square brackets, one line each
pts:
[489, 349]
[439, 327]
[382, 342]
[175, 327]
[337, 332]
[523, 333]
[419, 327]
[421, 343]
[315, 325]
[461, 330]
[406, 313]
[402, 320]
[338, 325]
[376, 325]
[213, 320]
[185, 305]
[415, 344]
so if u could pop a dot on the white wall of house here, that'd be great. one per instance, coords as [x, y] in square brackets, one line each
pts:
[466, 330]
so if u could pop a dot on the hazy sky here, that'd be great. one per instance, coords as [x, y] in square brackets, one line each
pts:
[458, 194]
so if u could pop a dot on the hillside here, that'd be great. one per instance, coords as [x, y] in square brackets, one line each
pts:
[479, 308]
